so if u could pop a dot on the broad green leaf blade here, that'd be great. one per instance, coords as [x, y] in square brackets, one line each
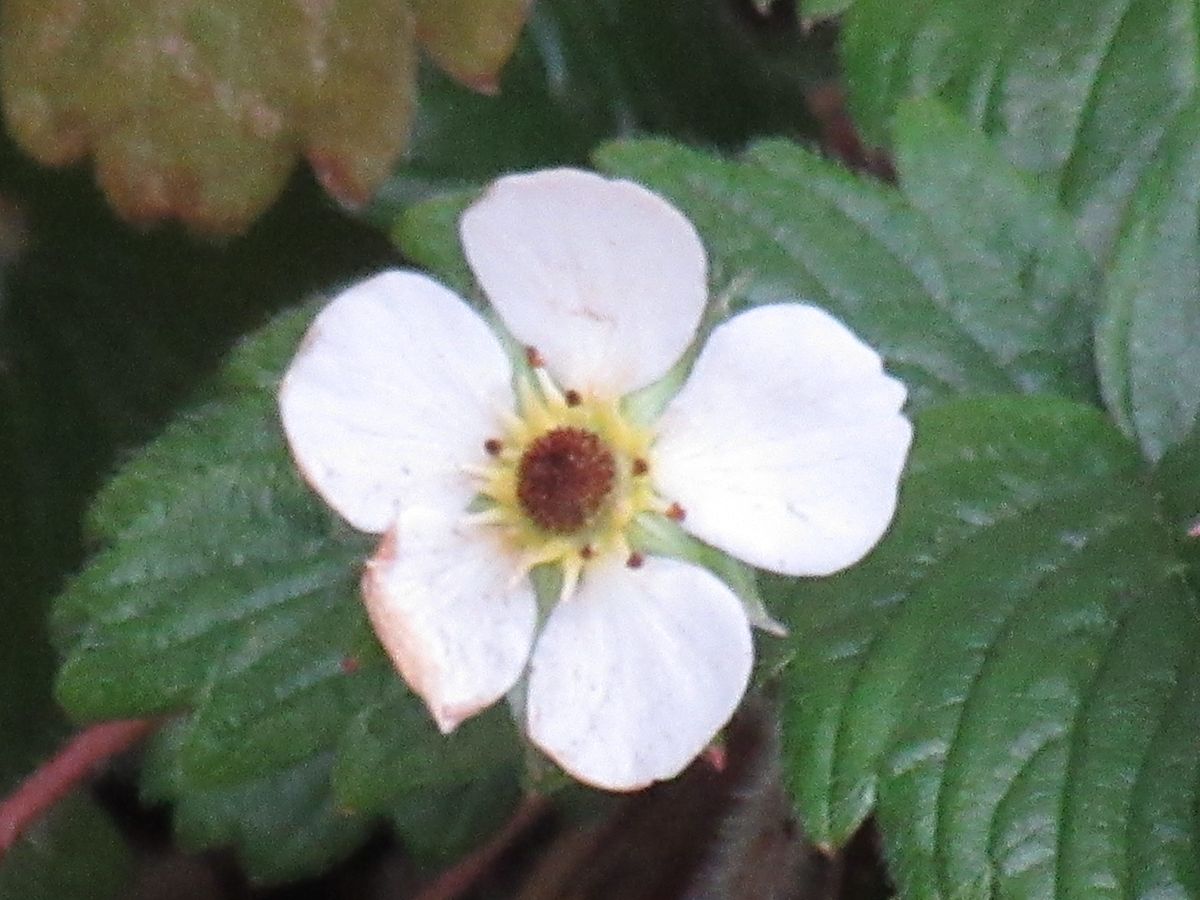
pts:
[392, 749]
[212, 531]
[1077, 93]
[241, 731]
[997, 677]
[1148, 335]
[73, 853]
[1020, 278]
[444, 794]
[283, 826]
[440, 826]
[952, 310]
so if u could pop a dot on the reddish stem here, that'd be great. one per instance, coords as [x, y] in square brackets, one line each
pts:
[61, 774]
[463, 875]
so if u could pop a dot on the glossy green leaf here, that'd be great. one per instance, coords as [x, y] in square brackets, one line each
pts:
[73, 853]
[1077, 93]
[1148, 335]
[1010, 678]
[966, 278]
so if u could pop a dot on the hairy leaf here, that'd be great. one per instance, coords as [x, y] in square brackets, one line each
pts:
[1078, 93]
[1011, 676]
[1148, 336]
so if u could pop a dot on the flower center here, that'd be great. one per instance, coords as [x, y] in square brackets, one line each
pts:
[563, 479]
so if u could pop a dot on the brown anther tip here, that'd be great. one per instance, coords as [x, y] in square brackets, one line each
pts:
[534, 358]
[350, 665]
[676, 513]
[586, 552]
[640, 467]
[572, 397]
[493, 446]
[635, 560]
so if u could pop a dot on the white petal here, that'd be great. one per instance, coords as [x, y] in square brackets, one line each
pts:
[444, 603]
[786, 444]
[396, 386]
[604, 278]
[637, 672]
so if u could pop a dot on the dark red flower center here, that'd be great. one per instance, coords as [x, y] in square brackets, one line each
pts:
[564, 478]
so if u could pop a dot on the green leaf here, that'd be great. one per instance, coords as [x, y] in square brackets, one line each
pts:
[1011, 675]
[72, 853]
[427, 232]
[443, 793]
[439, 826]
[966, 279]
[470, 39]
[211, 532]
[1148, 334]
[285, 825]
[392, 748]
[229, 591]
[1077, 93]
[1177, 485]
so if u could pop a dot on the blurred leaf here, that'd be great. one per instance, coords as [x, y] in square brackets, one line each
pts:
[73, 853]
[1012, 675]
[1148, 336]
[1177, 483]
[392, 748]
[966, 279]
[815, 10]
[471, 39]
[438, 826]
[283, 826]
[1078, 93]
[198, 111]
[427, 232]
[589, 70]
[443, 793]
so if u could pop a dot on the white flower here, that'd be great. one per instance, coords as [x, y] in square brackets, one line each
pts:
[477, 464]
